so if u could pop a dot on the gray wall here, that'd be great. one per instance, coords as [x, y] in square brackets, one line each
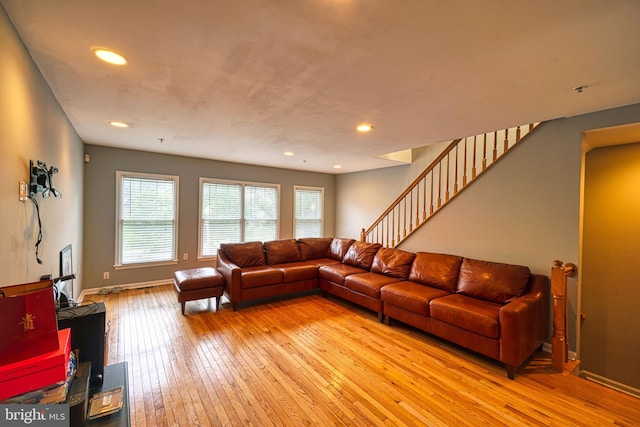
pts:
[525, 210]
[100, 199]
[34, 127]
[363, 196]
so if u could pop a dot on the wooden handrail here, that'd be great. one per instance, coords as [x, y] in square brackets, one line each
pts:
[413, 184]
[392, 223]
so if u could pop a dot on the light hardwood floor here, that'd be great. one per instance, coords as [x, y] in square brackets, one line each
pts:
[323, 362]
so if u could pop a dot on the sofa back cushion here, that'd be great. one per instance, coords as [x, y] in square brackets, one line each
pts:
[492, 281]
[339, 248]
[246, 254]
[361, 254]
[314, 247]
[281, 251]
[393, 262]
[436, 270]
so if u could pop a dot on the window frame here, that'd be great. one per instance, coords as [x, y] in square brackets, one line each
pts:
[118, 265]
[243, 185]
[295, 220]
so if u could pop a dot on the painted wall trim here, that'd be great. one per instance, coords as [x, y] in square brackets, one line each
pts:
[117, 288]
[622, 388]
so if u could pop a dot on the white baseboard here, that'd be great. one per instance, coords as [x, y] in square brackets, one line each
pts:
[108, 289]
[546, 347]
[622, 388]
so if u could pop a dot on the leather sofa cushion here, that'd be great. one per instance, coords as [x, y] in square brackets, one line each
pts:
[281, 251]
[411, 296]
[492, 281]
[437, 270]
[314, 247]
[253, 277]
[322, 261]
[247, 254]
[472, 314]
[393, 262]
[361, 254]
[198, 278]
[339, 248]
[336, 273]
[296, 271]
[368, 283]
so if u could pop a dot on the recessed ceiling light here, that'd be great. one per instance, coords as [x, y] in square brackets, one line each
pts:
[109, 56]
[288, 153]
[118, 124]
[364, 127]
[337, 166]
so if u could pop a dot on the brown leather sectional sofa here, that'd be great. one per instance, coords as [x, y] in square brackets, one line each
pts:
[498, 310]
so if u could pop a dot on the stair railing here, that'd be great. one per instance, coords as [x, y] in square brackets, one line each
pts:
[459, 164]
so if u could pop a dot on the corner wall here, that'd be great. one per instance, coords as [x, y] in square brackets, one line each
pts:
[34, 127]
[525, 210]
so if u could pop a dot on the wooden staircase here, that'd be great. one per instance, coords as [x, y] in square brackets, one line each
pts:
[459, 164]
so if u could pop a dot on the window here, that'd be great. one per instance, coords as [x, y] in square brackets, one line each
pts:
[309, 210]
[147, 218]
[236, 212]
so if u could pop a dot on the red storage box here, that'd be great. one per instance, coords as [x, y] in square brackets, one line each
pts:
[28, 319]
[36, 372]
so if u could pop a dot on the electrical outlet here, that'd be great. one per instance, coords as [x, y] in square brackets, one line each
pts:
[105, 275]
[22, 191]
[185, 256]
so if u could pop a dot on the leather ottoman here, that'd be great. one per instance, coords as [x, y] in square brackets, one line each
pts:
[198, 283]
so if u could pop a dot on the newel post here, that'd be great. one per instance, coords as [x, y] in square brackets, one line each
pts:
[560, 341]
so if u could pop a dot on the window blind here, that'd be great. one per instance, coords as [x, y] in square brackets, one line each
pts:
[236, 212]
[221, 216]
[147, 209]
[308, 212]
[260, 213]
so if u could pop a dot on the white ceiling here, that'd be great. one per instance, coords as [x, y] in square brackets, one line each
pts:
[246, 80]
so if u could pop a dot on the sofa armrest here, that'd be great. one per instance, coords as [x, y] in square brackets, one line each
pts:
[232, 276]
[524, 322]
